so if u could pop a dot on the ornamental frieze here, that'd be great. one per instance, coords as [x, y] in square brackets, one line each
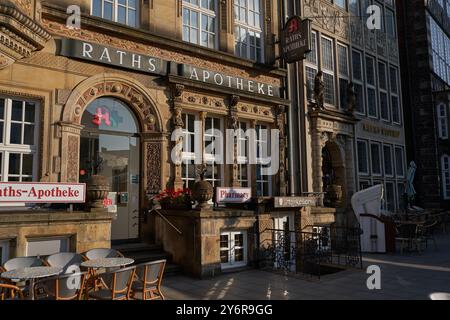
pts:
[392, 49]
[327, 17]
[202, 101]
[356, 29]
[381, 43]
[106, 39]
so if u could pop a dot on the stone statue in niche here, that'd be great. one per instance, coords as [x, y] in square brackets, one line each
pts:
[319, 88]
[178, 118]
[351, 98]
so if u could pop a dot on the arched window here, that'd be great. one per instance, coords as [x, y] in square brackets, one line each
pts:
[445, 171]
[109, 114]
[442, 120]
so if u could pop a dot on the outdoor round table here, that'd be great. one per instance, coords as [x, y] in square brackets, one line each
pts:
[107, 263]
[31, 274]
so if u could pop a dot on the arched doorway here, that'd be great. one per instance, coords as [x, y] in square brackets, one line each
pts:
[110, 146]
[333, 174]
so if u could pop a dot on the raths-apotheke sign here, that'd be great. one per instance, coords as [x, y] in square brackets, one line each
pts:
[296, 39]
[112, 56]
[228, 81]
[35, 192]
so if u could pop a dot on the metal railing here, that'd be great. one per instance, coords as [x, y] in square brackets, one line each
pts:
[320, 251]
[163, 217]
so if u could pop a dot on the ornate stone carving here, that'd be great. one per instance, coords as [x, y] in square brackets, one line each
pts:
[72, 157]
[19, 34]
[327, 17]
[154, 167]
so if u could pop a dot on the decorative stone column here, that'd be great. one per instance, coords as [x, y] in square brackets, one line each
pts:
[70, 150]
[350, 167]
[253, 166]
[153, 158]
[177, 121]
[233, 124]
[280, 122]
[318, 140]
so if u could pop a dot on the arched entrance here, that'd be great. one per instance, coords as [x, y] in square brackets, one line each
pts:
[110, 146]
[333, 173]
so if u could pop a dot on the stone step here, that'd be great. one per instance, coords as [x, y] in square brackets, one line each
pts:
[137, 247]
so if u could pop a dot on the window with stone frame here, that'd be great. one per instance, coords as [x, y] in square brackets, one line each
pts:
[311, 65]
[327, 55]
[442, 120]
[389, 196]
[445, 171]
[371, 88]
[248, 29]
[395, 91]
[343, 72]
[388, 160]
[383, 92]
[341, 3]
[399, 161]
[243, 155]
[363, 157]
[200, 24]
[375, 157]
[121, 11]
[188, 166]
[263, 182]
[19, 132]
[358, 81]
[213, 150]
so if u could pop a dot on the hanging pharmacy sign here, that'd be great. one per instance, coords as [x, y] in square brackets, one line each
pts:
[34, 192]
[296, 39]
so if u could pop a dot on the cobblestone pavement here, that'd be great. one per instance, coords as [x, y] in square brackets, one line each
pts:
[407, 276]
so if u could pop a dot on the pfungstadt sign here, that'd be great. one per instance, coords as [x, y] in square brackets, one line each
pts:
[34, 192]
[296, 39]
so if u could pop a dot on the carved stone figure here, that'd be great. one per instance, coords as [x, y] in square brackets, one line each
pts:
[351, 98]
[178, 118]
[319, 89]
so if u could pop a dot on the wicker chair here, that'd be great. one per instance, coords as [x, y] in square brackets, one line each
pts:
[65, 287]
[119, 288]
[10, 292]
[147, 284]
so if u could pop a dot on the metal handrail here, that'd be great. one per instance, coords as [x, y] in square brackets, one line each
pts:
[166, 220]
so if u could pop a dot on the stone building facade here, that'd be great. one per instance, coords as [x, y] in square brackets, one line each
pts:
[425, 74]
[355, 129]
[105, 99]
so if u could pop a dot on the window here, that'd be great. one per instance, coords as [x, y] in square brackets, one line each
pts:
[390, 23]
[390, 196]
[188, 157]
[364, 184]
[401, 195]
[248, 29]
[263, 188]
[311, 65]
[399, 162]
[213, 149]
[358, 81]
[341, 3]
[375, 154]
[354, 9]
[395, 104]
[328, 70]
[442, 120]
[233, 249]
[440, 45]
[383, 85]
[199, 22]
[242, 141]
[388, 161]
[121, 11]
[445, 169]
[19, 121]
[47, 246]
[4, 251]
[363, 159]
[371, 87]
[343, 75]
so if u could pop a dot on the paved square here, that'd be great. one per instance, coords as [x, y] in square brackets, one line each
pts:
[408, 276]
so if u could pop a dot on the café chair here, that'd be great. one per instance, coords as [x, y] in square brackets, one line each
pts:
[147, 283]
[119, 288]
[101, 253]
[68, 286]
[23, 262]
[10, 292]
[69, 262]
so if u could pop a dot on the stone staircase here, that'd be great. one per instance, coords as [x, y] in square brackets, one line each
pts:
[143, 252]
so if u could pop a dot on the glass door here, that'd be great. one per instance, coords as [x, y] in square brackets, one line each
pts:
[117, 158]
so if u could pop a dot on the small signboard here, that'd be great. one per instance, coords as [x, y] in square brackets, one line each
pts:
[36, 192]
[295, 202]
[296, 39]
[111, 202]
[233, 195]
